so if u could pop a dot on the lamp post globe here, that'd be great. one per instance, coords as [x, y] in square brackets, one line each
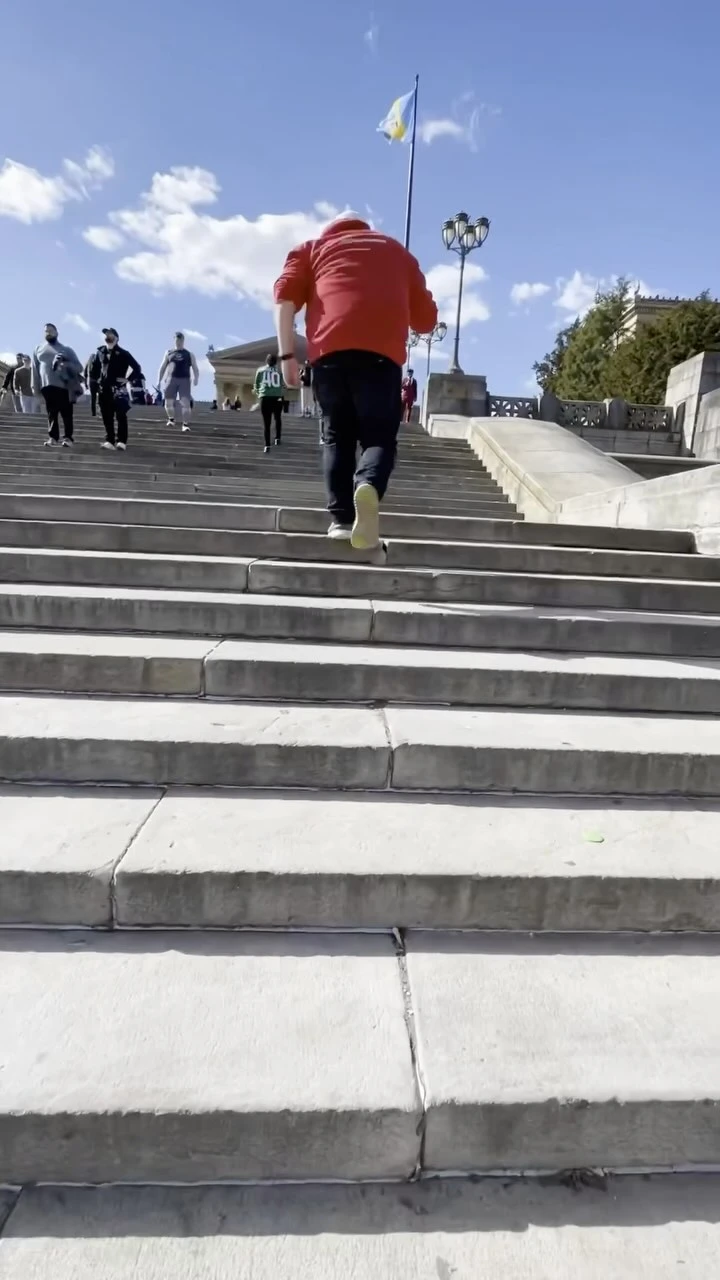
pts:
[461, 235]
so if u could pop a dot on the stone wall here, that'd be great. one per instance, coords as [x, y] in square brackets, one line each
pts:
[707, 430]
[686, 385]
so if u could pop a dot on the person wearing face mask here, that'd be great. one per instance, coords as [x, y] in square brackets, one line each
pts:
[56, 376]
[179, 368]
[109, 367]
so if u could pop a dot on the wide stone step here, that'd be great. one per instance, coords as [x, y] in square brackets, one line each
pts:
[226, 859]
[649, 1228]
[295, 519]
[493, 556]
[203, 743]
[224, 614]
[348, 580]
[534, 1054]
[255, 669]
[207, 494]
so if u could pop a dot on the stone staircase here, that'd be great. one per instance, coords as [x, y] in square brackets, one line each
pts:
[222, 457]
[321, 871]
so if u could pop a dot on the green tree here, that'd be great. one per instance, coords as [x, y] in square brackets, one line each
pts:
[585, 366]
[638, 369]
[549, 370]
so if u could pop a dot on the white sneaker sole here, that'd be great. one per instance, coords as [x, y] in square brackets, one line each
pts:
[366, 529]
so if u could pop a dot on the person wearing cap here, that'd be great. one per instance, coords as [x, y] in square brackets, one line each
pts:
[362, 292]
[109, 368]
[180, 369]
[57, 376]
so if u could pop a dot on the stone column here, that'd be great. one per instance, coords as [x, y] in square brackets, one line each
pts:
[686, 385]
[465, 394]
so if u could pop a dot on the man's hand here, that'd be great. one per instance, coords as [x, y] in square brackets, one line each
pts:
[291, 372]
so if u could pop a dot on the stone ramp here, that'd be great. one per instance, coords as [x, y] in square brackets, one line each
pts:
[626, 1228]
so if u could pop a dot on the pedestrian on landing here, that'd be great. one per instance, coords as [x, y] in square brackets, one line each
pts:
[109, 368]
[270, 391]
[408, 395]
[57, 376]
[307, 396]
[8, 383]
[92, 385]
[227, 404]
[180, 369]
[362, 291]
[237, 404]
[22, 387]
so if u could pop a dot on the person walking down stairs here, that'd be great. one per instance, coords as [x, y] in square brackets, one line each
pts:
[270, 391]
[109, 368]
[56, 375]
[22, 387]
[362, 291]
[180, 369]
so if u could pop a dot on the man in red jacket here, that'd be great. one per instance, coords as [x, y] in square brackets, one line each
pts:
[362, 292]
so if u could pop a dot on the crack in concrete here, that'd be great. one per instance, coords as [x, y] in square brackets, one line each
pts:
[7, 1210]
[113, 875]
[387, 785]
[411, 1028]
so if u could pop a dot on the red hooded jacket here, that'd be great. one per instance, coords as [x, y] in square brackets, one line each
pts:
[362, 291]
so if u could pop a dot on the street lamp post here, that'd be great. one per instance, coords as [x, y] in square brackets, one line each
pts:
[429, 339]
[462, 236]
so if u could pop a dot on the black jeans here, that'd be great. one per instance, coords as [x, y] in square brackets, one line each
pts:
[93, 398]
[58, 405]
[271, 407]
[110, 409]
[359, 394]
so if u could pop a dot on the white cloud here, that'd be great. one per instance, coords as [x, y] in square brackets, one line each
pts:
[467, 122]
[577, 294]
[105, 238]
[194, 333]
[181, 246]
[443, 127]
[72, 317]
[444, 280]
[7, 357]
[527, 292]
[372, 35]
[30, 196]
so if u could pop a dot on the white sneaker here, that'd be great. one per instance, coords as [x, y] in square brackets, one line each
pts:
[340, 532]
[107, 445]
[171, 422]
[122, 447]
[67, 444]
[366, 529]
[50, 443]
[185, 426]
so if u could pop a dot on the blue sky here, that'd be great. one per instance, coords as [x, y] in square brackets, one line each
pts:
[159, 160]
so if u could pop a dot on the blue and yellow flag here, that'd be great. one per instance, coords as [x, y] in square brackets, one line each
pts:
[398, 123]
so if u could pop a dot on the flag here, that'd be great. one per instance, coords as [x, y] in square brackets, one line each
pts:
[398, 123]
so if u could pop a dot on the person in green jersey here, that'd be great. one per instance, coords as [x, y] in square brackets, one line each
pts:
[270, 391]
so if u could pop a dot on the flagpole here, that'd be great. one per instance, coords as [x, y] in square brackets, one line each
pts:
[411, 169]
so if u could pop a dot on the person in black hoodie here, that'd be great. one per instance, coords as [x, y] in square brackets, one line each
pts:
[109, 368]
